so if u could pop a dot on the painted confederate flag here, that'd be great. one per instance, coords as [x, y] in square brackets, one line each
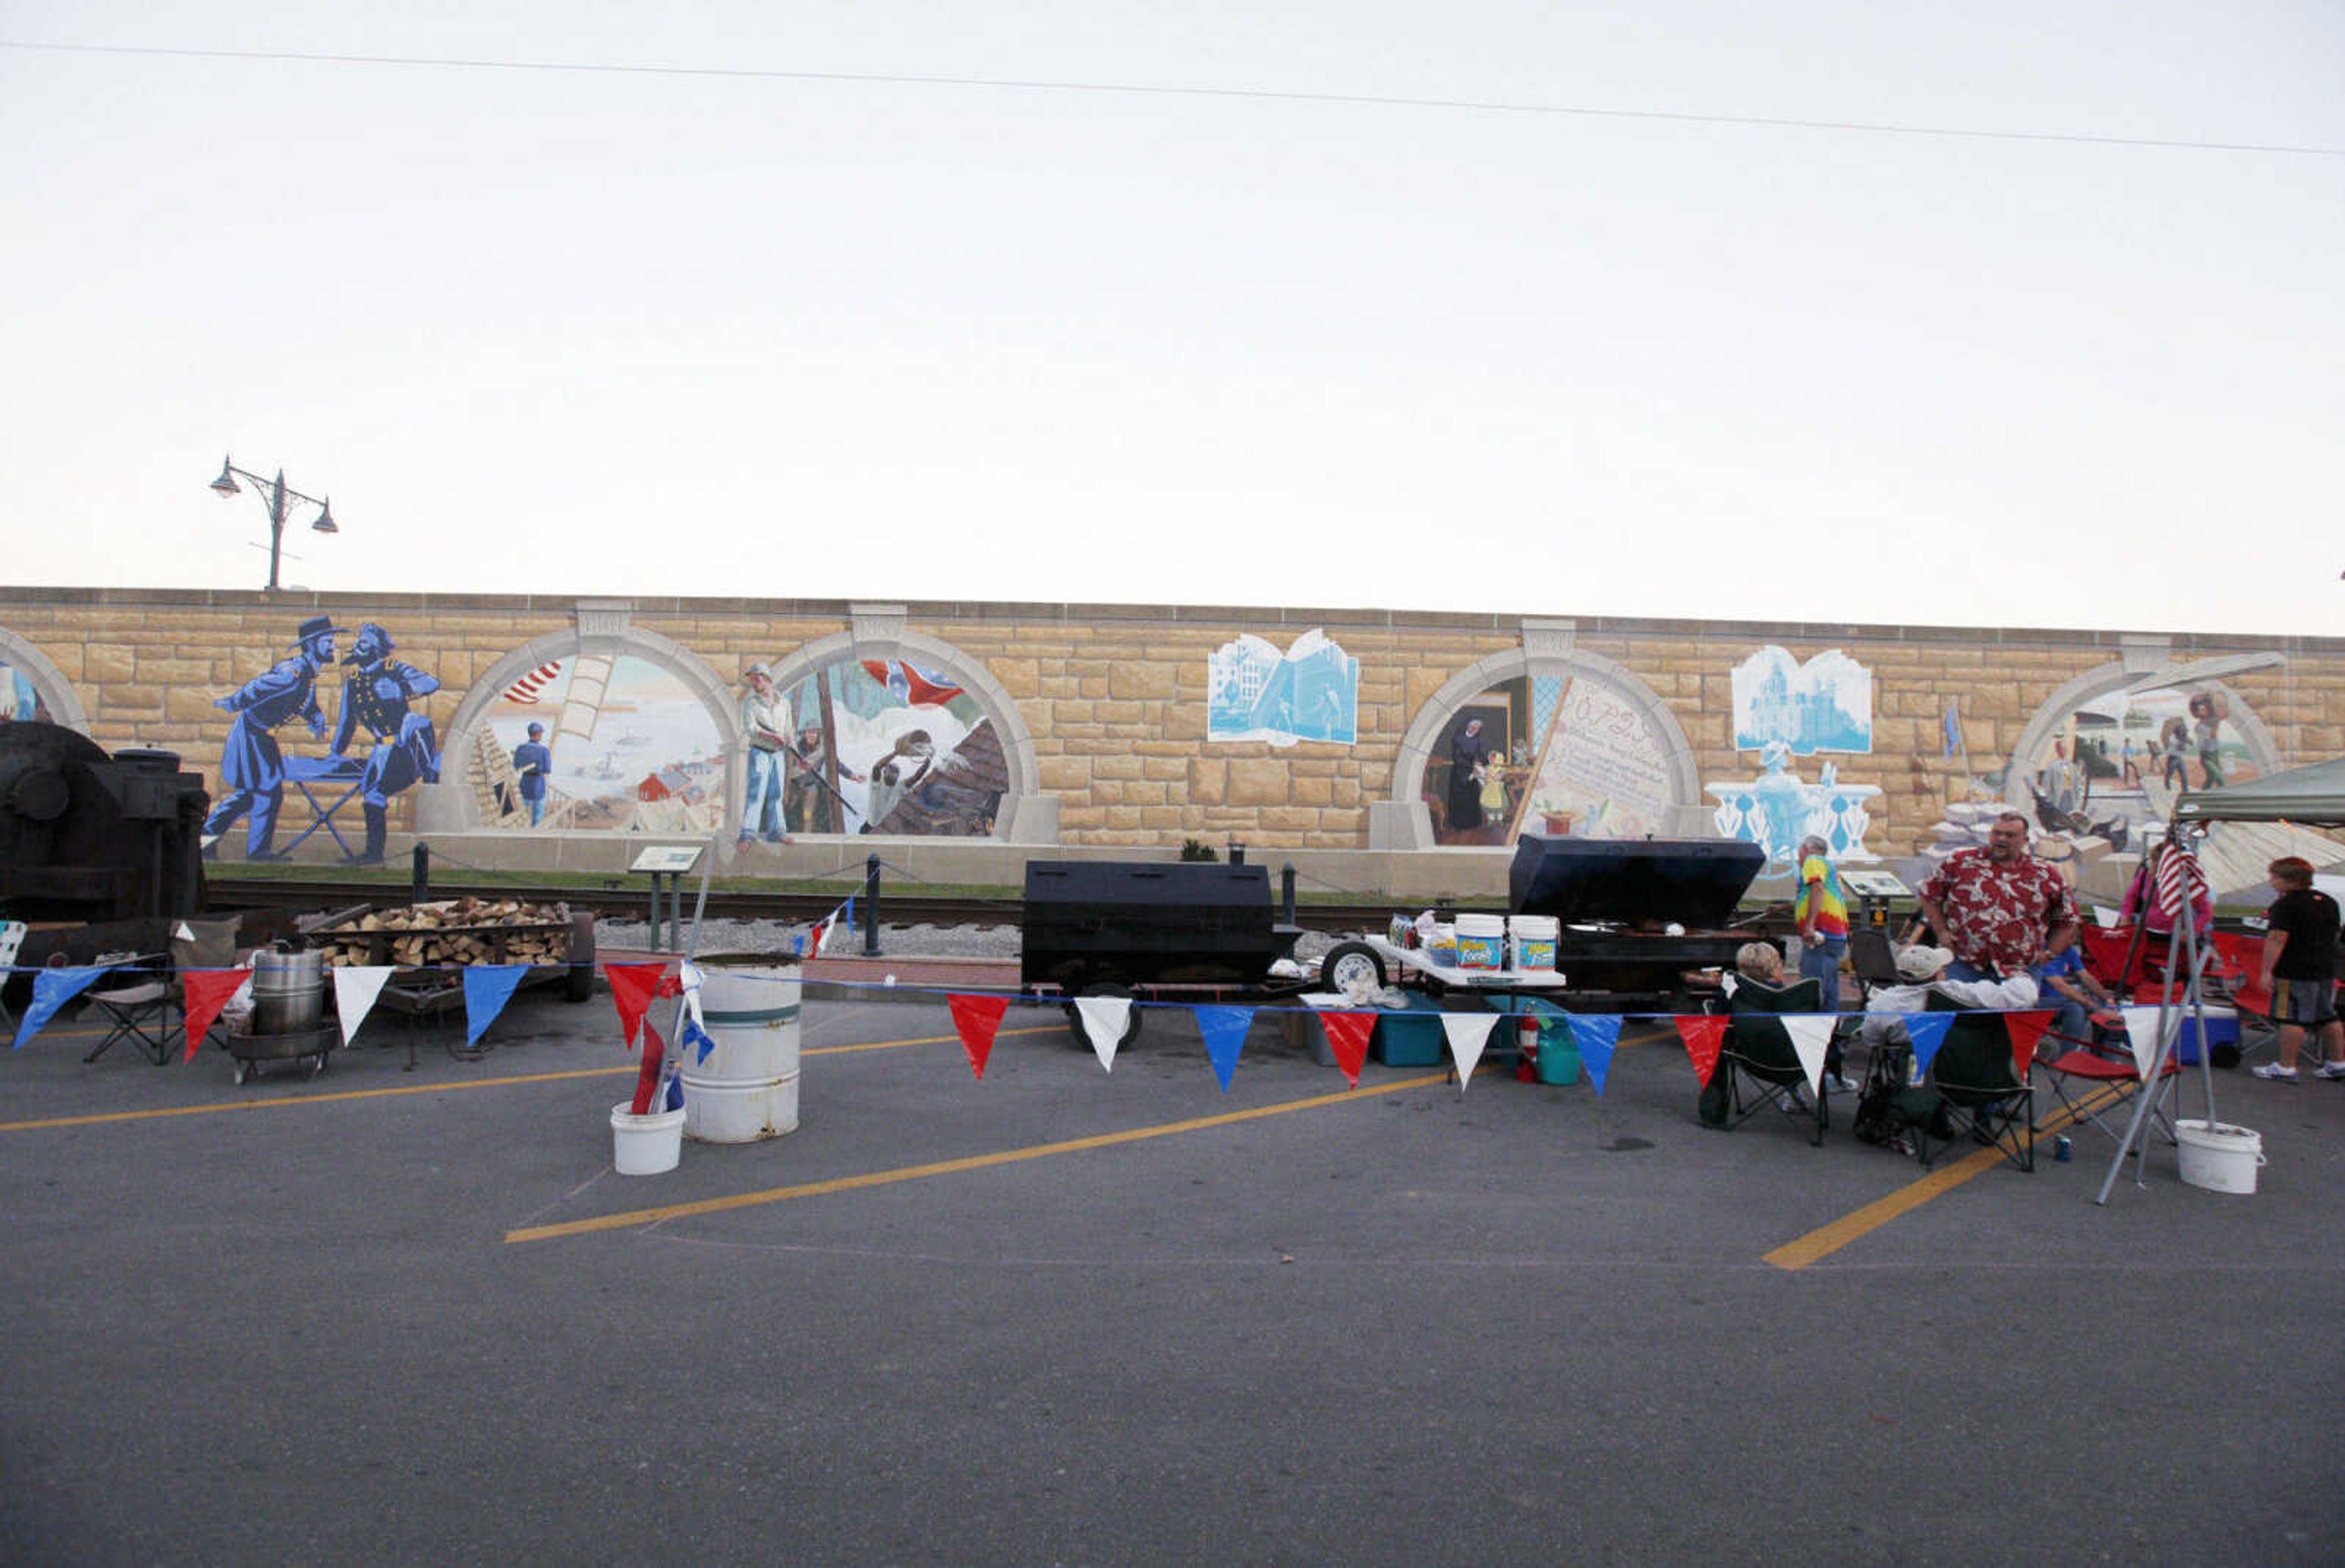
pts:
[916, 687]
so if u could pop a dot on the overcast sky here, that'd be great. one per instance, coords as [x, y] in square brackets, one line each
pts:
[659, 332]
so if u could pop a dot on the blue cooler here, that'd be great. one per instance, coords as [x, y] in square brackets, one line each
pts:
[2222, 1029]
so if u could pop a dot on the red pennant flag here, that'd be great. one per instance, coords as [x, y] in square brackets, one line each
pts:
[2026, 1029]
[976, 1017]
[1347, 1036]
[648, 1076]
[632, 986]
[207, 991]
[1703, 1038]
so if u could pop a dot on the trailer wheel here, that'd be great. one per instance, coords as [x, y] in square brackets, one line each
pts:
[1082, 1038]
[1349, 963]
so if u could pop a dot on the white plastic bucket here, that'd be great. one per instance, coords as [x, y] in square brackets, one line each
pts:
[748, 1088]
[646, 1145]
[2218, 1157]
[1481, 941]
[1534, 939]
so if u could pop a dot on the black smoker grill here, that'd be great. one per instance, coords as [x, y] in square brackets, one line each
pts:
[87, 838]
[1616, 898]
[1091, 922]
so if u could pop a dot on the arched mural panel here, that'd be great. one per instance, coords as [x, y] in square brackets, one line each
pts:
[918, 744]
[33, 689]
[632, 733]
[1569, 744]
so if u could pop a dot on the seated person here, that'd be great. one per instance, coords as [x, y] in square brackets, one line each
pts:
[1922, 970]
[2063, 980]
[1762, 962]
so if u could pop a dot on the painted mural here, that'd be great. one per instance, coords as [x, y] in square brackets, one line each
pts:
[1777, 810]
[1562, 755]
[1310, 692]
[1822, 705]
[869, 746]
[381, 746]
[598, 743]
[19, 698]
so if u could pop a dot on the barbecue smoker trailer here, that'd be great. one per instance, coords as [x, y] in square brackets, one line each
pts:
[1102, 929]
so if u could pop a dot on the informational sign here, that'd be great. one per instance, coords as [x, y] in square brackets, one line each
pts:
[663, 859]
[1874, 885]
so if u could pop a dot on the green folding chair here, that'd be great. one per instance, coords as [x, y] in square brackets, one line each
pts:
[1974, 1078]
[1757, 1059]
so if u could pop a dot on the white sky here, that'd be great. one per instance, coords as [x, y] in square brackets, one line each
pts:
[598, 333]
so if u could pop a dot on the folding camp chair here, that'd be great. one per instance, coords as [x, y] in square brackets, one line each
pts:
[12, 941]
[1974, 1078]
[140, 1010]
[2084, 1074]
[1757, 1057]
[1873, 958]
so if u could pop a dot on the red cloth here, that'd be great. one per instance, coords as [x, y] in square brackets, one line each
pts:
[206, 992]
[1347, 1036]
[1703, 1038]
[1997, 913]
[976, 1018]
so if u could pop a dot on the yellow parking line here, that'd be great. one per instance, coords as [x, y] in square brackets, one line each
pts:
[948, 1167]
[1826, 1239]
[498, 1083]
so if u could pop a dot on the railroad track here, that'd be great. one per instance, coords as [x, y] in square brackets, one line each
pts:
[626, 903]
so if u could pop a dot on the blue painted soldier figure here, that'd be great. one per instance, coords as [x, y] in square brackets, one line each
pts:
[252, 770]
[406, 749]
[531, 761]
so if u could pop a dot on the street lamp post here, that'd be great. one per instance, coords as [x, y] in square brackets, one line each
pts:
[275, 495]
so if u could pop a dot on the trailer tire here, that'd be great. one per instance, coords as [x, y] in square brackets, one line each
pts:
[1081, 1038]
[1349, 961]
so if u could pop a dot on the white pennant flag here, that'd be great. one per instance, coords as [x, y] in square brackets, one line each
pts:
[1103, 1020]
[355, 989]
[1811, 1035]
[2141, 1033]
[1468, 1033]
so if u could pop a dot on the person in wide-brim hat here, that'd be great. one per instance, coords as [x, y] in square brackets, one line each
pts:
[316, 626]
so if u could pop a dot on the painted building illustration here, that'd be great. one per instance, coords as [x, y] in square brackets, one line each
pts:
[1310, 692]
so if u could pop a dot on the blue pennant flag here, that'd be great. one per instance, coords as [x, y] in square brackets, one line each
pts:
[693, 1034]
[675, 1100]
[487, 989]
[1225, 1029]
[1928, 1032]
[52, 989]
[1596, 1035]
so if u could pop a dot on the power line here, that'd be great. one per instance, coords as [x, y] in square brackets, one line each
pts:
[1366, 100]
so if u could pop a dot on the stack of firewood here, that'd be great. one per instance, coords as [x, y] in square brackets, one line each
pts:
[455, 931]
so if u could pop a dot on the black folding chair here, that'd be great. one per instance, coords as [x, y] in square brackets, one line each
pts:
[1762, 1067]
[1978, 1084]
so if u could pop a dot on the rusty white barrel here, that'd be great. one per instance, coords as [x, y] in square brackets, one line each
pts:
[749, 1086]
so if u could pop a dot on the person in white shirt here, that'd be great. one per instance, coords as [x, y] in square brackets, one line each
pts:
[1922, 970]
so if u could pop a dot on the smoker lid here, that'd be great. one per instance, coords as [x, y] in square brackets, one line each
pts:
[1696, 882]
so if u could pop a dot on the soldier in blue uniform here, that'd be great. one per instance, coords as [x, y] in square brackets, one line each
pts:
[406, 748]
[531, 761]
[252, 770]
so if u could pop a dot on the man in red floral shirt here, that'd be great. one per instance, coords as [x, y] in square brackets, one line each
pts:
[2000, 909]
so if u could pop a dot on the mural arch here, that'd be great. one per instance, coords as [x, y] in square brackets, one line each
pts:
[467, 794]
[31, 687]
[972, 771]
[2093, 752]
[1587, 748]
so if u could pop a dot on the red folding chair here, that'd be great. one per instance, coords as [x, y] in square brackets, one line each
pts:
[2084, 1074]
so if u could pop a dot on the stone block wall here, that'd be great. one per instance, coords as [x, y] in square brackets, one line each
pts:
[1111, 698]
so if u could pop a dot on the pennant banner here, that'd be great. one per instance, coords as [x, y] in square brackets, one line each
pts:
[206, 991]
[2027, 1032]
[355, 990]
[1597, 1035]
[692, 1026]
[1347, 1036]
[1703, 1037]
[52, 989]
[632, 986]
[1468, 1033]
[1103, 1020]
[648, 1075]
[1810, 1039]
[487, 989]
[2141, 1033]
[1225, 1029]
[1926, 1032]
[976, 1018]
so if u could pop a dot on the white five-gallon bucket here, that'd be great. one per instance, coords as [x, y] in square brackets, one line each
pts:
[1534, 939]
[646, 1145]
[2219, 1157]
[1481, 941]
[749, 1086]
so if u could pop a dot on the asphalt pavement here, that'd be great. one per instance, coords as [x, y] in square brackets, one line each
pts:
[1063, 1315]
